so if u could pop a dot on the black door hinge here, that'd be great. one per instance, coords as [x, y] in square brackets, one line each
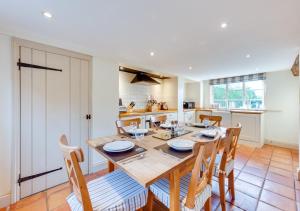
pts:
[88, 116]
[23, 179]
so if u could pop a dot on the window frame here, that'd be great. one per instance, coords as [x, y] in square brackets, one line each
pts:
[245, 99]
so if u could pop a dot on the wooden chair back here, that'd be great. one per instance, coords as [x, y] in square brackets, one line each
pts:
[215, 119]
[73, 156]
[155, 121]
[229, 145]
[205, 157]
[120, 124]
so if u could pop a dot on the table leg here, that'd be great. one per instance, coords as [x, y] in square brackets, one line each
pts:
[111, 166]
[175, 190]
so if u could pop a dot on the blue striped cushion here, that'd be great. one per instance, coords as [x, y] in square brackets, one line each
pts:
[113, 192]
[161, 189]
[228, 169]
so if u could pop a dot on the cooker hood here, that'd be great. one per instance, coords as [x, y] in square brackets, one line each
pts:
[144, 79]
[141, 77]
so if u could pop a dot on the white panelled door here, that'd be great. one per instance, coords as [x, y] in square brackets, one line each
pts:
[52, 103]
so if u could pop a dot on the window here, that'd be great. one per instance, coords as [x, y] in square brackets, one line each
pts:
[249, 95]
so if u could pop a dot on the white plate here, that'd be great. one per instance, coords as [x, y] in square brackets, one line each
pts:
[181, 144]
[209, 133]
[118, 146]
[166, 125]
[137, 131]
[198, 124]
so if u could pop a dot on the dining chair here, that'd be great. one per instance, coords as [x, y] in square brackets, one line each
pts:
[122, 124]
[215, 119]
[155, 121]
[195, 189]
[224, 164]
[114, 191]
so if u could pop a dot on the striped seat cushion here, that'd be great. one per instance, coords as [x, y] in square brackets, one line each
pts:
[161, 189]
[113, 192]
[228, 169]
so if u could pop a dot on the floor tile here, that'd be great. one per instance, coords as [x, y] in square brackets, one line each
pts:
[280, 172]
[247, 188]
[266, 207]
[255, 171]
[255, 180]
[278, 201]
[58, 198]
[281, 179]
[280, 189]
[229, 207]
[63, 207]
[281, 165]
[282, 160]
[243, 201]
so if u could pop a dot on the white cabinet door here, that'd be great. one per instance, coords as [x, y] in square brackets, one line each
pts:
[189, 117]
[226, 117]
[53, 103]
[252, 127]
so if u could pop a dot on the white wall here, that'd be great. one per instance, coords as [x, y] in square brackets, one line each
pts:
[6, 104]
[170, 92]
[192, 92]
[282, 96]
[137, 92]
[105, 103]
[282, 105]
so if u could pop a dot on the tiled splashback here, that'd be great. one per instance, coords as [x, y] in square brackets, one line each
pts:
[136, 92]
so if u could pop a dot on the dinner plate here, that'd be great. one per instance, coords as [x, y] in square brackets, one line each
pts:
[133, 131]
[166, 125]
[118, 146]
[181, 144]
[209, 133]
[198, 124]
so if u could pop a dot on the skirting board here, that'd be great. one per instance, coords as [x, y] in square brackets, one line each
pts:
[4, 200]
[99, 166]
[281, 144]
[250, 143]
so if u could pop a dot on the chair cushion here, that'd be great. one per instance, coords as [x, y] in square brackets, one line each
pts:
[161, 189]
[115, 191]
[229, 166]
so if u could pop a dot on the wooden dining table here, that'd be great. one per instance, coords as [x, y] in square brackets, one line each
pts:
[154, 163]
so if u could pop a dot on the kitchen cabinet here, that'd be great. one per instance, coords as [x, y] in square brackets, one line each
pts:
[252, 132]
[226, 117]
[198, 113]
[189, 117]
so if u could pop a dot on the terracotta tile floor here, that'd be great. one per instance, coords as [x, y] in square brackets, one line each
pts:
[265, 179]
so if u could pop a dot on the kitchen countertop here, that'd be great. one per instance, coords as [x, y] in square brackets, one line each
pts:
[244, 111]
[144, 113]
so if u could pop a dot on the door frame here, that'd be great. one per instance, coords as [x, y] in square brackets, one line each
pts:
[16, 150]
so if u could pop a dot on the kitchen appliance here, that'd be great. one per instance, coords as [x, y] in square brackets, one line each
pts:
[188, 105]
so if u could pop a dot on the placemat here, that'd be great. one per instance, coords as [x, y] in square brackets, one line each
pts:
[132, 136]
[166, 138]
[117, 156]
[179, 154]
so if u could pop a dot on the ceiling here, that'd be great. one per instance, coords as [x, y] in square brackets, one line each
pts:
[180, 33]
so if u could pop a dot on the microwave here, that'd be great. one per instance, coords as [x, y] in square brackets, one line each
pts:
[188, 105]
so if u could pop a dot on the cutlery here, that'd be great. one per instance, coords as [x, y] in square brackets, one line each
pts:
[134, 158]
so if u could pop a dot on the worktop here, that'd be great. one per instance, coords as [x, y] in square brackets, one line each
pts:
[245, 111]
[145, 113]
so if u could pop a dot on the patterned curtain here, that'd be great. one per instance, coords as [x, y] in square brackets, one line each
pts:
[243, 78]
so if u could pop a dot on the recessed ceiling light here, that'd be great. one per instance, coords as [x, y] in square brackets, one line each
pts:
[151, 53]
[190, 67]
[248, 56]
[47, 14]
[224, 25]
